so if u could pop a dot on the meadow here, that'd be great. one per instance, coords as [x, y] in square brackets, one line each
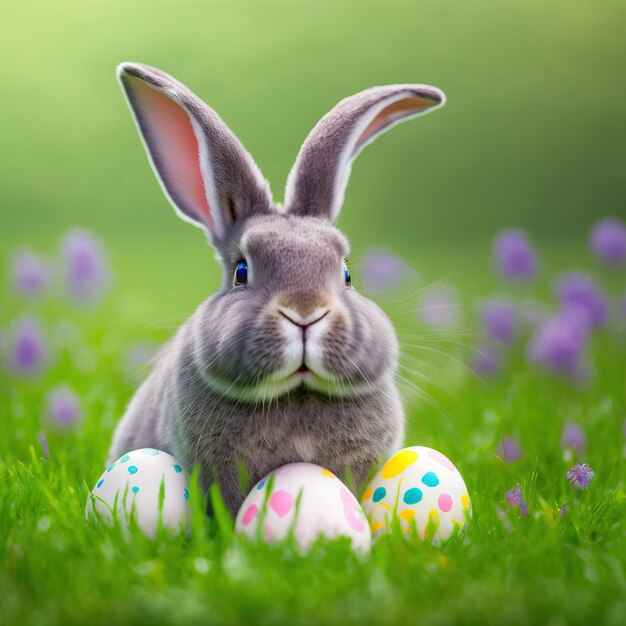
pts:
[555, 554]
[472, 228]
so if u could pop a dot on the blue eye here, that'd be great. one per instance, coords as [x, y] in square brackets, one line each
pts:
[346, 274]
[241, 272]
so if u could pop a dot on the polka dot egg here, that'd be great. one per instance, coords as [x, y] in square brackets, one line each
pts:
[308, 499]
[417, 487]
[131, 486]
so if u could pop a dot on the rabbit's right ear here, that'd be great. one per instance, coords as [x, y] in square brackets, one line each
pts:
[204, 171]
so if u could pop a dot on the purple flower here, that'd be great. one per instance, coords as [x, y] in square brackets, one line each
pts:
[28, 347]
[580, 296]
[30, 274]
[440, 306]
[573, 438]
[63, 408]
[514, 256]
[87, 274]
[558, 345]
[564, 509]
[580, 476]
[608, 241]
[499, 319]
[514, 498]
[44, 445]
[509, 450]
[487, 359]
[382, 270]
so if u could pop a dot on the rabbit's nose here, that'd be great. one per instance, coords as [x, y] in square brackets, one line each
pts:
[303, 321]
[303, 306]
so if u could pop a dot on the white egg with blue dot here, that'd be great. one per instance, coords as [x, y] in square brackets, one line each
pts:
[418, 488]
[131, 486]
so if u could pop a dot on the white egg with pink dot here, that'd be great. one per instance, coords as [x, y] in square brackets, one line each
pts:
[418, 488]
[308, 500]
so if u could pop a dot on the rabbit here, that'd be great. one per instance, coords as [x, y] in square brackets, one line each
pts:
[287, 362]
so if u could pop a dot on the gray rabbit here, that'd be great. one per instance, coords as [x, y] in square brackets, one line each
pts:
[287, 361]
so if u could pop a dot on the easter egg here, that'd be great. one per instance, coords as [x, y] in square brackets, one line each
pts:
[417, 487]
[307, 499]
[132, 486]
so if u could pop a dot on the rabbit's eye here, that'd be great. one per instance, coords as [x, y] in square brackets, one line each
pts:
[346, 274]
[241, 272]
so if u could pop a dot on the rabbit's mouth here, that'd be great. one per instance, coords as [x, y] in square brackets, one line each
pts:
[303, 373]
[305, 352]
[326, 383]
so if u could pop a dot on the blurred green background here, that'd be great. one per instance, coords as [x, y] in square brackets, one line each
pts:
[534, 133]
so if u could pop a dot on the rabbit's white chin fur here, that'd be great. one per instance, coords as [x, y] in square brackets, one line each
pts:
[279, 384]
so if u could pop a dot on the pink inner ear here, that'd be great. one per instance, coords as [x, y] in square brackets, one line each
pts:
[175, 147]
[392, 113]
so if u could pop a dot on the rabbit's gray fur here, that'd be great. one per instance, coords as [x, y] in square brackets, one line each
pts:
[222, 391]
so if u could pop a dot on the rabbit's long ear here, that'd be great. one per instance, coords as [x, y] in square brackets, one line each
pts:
[204, 171]
[317, 182]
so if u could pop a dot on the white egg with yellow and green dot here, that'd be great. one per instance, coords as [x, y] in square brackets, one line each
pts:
[417, 488]
[134, 485]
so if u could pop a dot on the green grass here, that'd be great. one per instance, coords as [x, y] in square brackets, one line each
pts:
[57, 569]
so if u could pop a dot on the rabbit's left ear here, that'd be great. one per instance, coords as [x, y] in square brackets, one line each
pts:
[318, 179]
